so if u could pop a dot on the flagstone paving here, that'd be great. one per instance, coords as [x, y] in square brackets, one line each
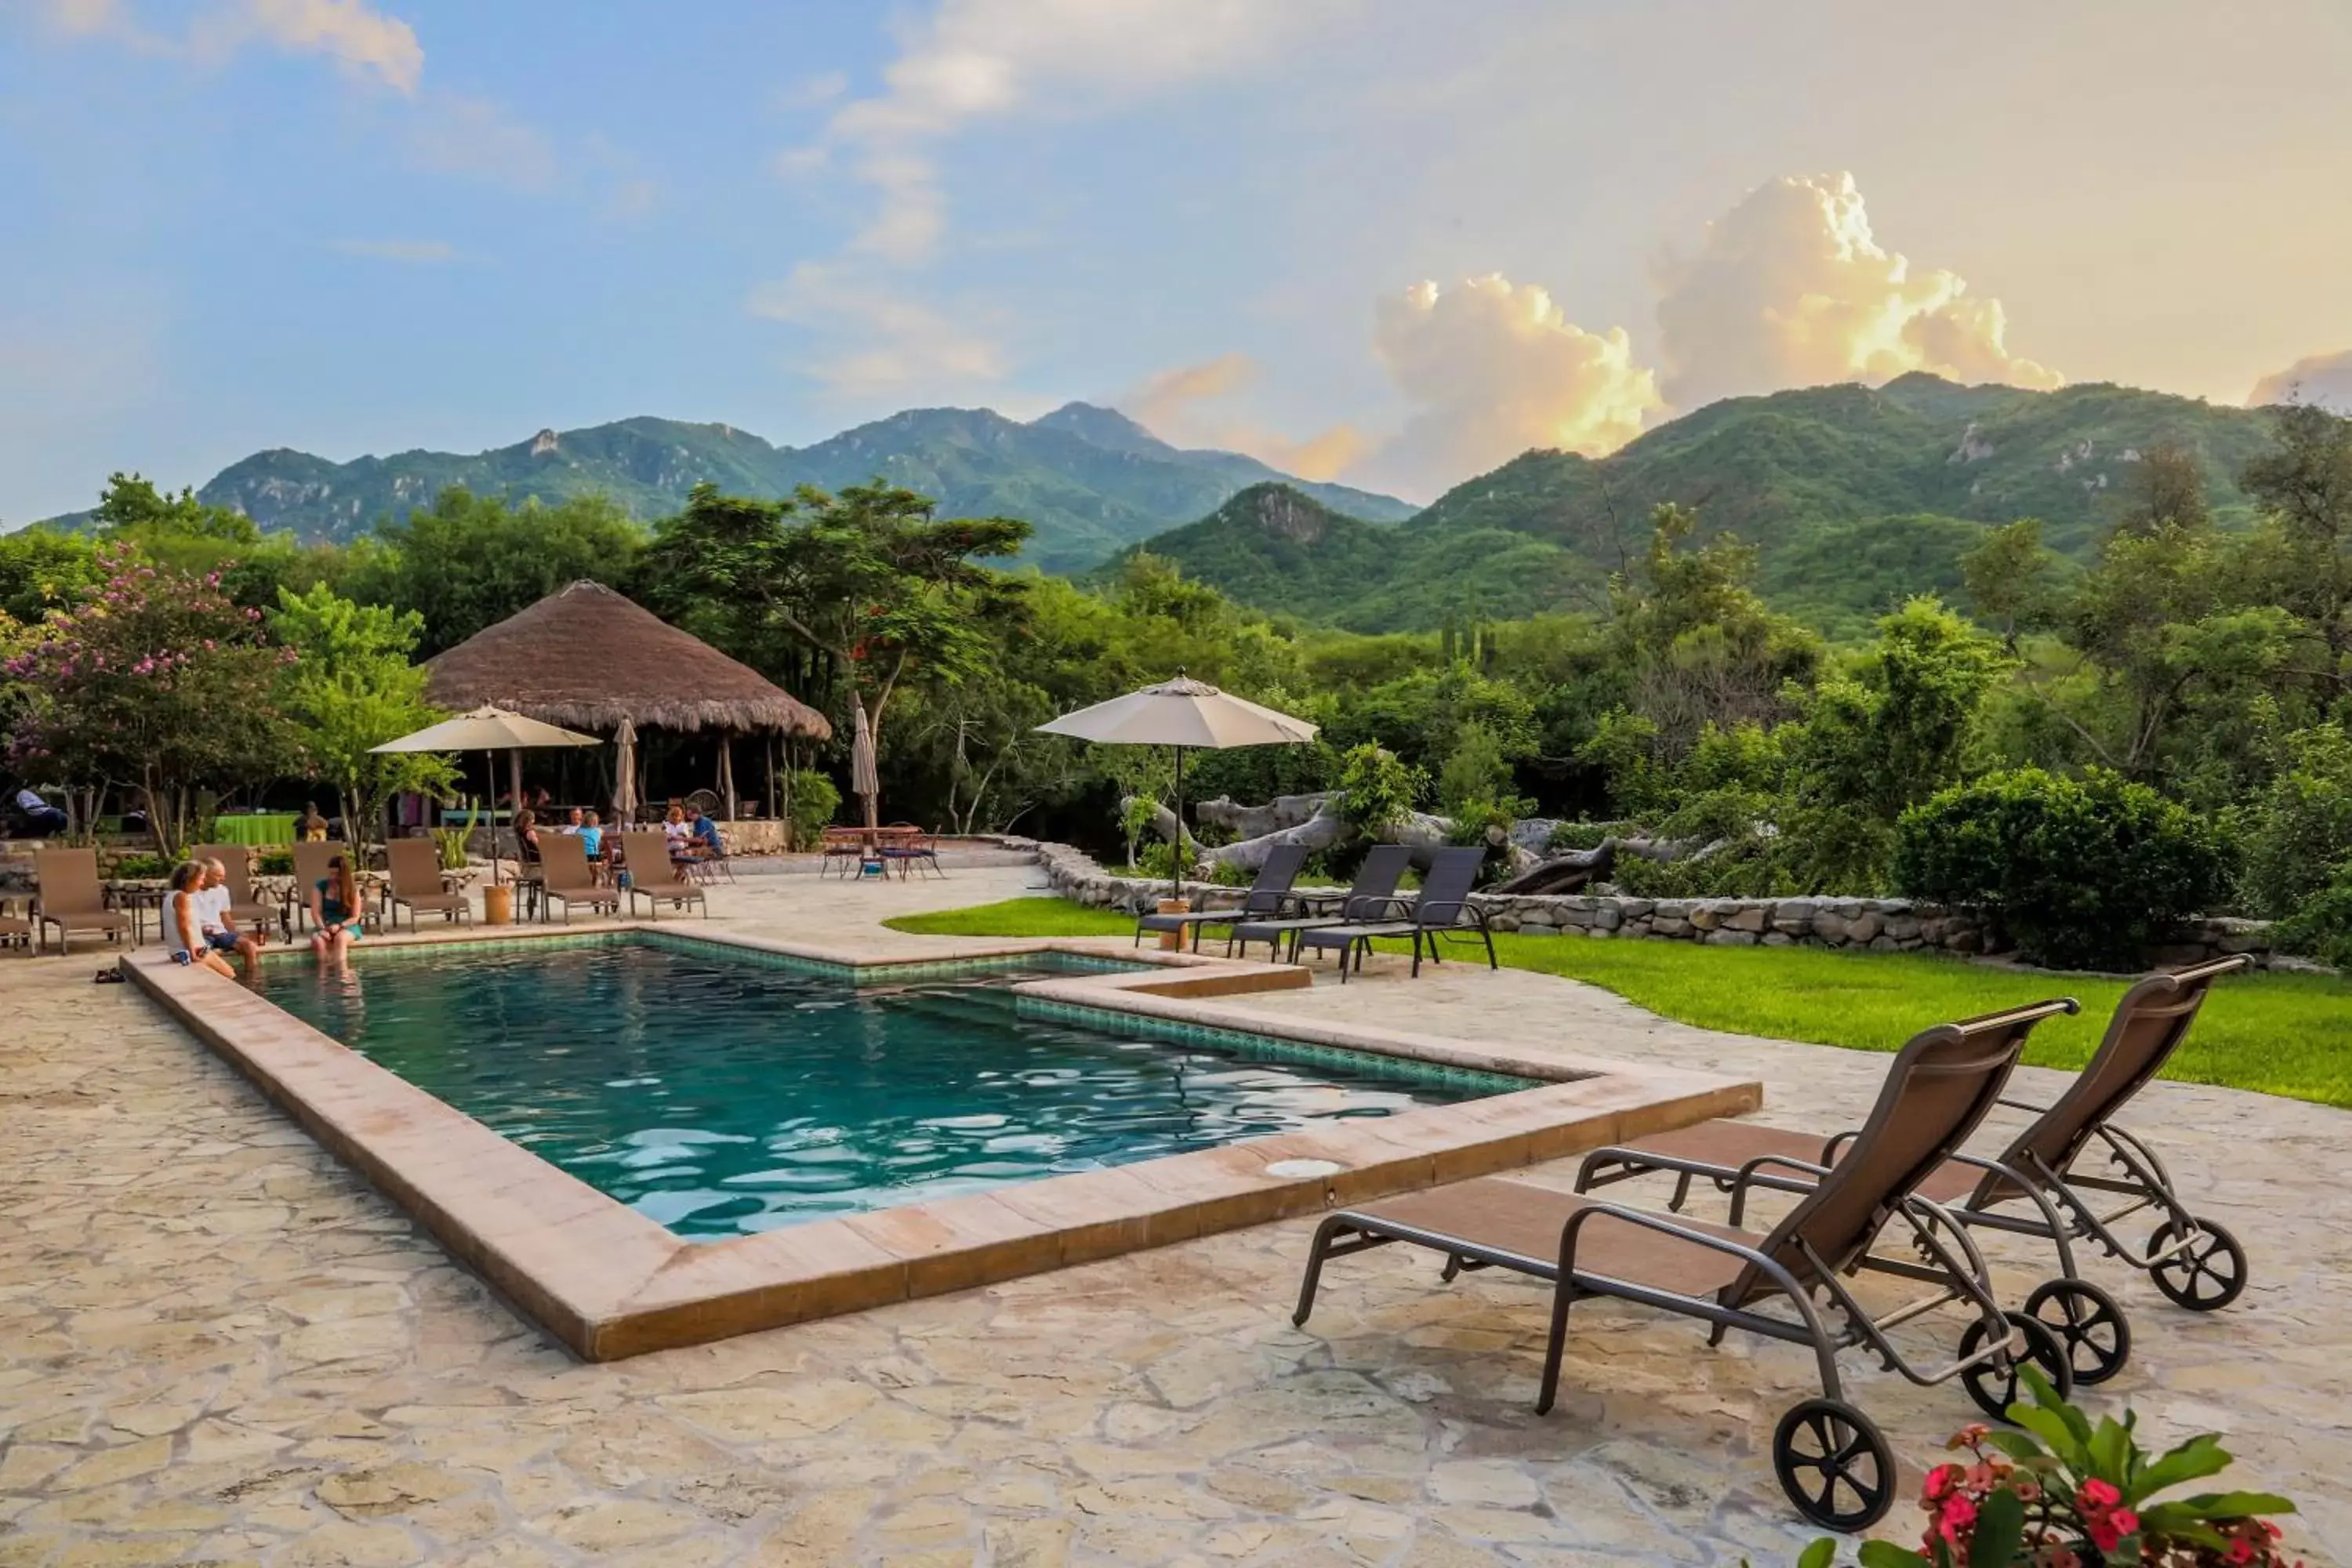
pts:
[219, 1346]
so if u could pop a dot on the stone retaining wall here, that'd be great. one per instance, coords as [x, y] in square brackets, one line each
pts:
[1883, 925]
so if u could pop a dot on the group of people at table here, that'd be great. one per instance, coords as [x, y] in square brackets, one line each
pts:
[197, 926]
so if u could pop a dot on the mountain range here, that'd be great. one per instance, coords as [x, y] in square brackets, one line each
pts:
[1090, 480]
[1855, 497]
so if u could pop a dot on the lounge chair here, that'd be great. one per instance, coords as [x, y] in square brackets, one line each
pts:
[909, 849]
[70, 899]
[15, 932]
[568, 879]
[1831, 1459]
[310, 870]
[245, 911]
[1442, 909]
[1269, 896]
[414, 865]
[1372, 893]
[655, 877]
[2031, 1188]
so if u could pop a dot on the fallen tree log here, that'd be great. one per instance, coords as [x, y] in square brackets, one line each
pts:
[1255, 821]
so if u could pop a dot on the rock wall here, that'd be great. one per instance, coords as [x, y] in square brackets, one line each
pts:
[1882, 925]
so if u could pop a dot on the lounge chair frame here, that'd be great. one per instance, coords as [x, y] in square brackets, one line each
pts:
[1268, 895]
[566, 877]
[1373, 889]
[1788, 1265]
[1436, 911]
[73, 874]
[645, 880]
[448, 905]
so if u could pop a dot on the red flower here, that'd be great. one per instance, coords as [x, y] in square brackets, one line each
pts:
[1941, 1480]
[2097, 1496]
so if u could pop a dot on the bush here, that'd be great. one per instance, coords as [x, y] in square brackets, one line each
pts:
[134, 867]
[2322, 927]
[814, 800]
[1377, 790]
[2083, 873]
[2301, 826]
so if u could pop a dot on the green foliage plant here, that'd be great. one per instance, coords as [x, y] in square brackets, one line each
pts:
[2321, 927]
[814, 799]
[2301, 826]
[2083, 873]
[1378, 791]
[2066, 1492]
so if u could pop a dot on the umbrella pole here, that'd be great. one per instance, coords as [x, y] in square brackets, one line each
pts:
[1176, 851]
[491, 804]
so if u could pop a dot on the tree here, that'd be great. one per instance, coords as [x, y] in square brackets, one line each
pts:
[42, 571]
[161, 682]
[352, 689]
[2166, 489]
[466, 562]
[2304, 488]
[2009, 577]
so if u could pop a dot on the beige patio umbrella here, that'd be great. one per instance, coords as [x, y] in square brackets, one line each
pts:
[865, 779]
[1188, 715]
[625, 775]
[488, 731]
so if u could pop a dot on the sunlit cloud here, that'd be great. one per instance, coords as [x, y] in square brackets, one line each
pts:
[2322, 379]
[1183, 407]
[357, 37]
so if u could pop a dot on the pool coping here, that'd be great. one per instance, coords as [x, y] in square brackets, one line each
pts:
[609, 1283]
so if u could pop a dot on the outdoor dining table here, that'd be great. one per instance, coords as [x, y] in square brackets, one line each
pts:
[255, 827]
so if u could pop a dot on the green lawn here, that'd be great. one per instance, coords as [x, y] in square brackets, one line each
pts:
[2283, 1034]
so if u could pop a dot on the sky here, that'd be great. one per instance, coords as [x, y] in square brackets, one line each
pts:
[1385, 241]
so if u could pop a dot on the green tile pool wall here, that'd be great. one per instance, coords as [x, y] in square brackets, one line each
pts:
[1270, 1048]
[888, 971]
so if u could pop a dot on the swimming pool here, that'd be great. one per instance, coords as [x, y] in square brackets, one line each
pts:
[721, 1095]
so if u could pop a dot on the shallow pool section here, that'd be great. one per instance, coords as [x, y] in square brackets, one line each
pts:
[720, 1094]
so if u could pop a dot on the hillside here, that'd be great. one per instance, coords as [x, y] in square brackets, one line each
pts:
[1090, 480]
[1853, 497]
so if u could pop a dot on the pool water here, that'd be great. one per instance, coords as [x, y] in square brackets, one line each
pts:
[720, 1096]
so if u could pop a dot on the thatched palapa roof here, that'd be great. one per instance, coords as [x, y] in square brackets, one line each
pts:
[586, 658]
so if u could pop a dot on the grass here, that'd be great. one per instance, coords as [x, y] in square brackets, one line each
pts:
[2281, 1034]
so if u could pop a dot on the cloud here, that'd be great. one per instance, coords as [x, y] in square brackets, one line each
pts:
[973, 60]
[1174, 404]
[877, 340]
[1493, 368]
[414, 252]
[1790, 289]
[363, 40]
[2323, 379]
[456, 134]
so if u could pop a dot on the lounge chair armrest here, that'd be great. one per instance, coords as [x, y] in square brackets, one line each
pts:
[1830, 1149]
[1751, 1170]
[1667, 1225]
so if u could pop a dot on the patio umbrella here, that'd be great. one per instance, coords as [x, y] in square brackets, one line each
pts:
[1185, 714]
[864, 780]
[488, 730]
[624, 774]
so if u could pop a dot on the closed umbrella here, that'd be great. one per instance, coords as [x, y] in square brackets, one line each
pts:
[489, 730]
[624, 768]
[864, 780]
[1182, 713]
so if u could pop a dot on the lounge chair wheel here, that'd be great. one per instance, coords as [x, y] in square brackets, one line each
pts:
[2088, 1322]
[1994, 1387]
[1835, 1465]
[2207, 1274]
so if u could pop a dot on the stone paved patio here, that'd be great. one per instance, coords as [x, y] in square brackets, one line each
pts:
[217, 1346]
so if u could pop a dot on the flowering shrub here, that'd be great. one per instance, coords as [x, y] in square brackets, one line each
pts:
[2065, 1493]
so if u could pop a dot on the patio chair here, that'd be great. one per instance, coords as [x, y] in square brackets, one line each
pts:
[568, 879]
[1268, 897]
[236, 873]
[15, 932]
[909, 847]
[310, 870]
[415, 868]
[1442, 909]
[71, 900]
[1831, 1459]
[1373, 890]
[655, 877]
[2031, 1188]
[844, 844]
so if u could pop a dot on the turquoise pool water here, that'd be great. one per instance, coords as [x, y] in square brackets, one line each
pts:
[720, 1096]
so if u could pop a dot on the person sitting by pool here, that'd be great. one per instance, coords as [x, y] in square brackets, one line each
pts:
[334, 901]
[183, 922]
[702, 840]
[220, 933]
[674, 829]
[592, 834]
[526, 827]
[578, 820]
[42, 820]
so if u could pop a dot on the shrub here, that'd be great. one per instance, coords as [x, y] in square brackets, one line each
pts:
[814, 800]
[2301, 826]
[1377, 790]
[133, 867]
[2083, 873]
[275, 863]
[2322, 927]
[1567, 835]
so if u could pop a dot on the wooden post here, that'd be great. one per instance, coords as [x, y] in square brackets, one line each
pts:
[727, 771]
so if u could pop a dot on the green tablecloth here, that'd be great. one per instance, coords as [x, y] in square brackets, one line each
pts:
[259, 827]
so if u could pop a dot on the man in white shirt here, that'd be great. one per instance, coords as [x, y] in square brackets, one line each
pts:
[210, 903]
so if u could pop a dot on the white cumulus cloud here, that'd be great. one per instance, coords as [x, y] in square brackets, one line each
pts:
[2323, 379]
[1493, 368]
[361, 39]
[876, 340]
[1792, 288]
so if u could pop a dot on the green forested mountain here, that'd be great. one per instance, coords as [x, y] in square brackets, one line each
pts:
[1088, 479]
[1855, 497]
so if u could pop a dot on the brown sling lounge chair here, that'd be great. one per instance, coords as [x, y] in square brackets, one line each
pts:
[2031, 1188]
[416, 868]
[1441, 910]
[1369, 897]
[244, 912]
[1831, 1459]
[1267, 898]
[70, 899]
[310, 870]
[569, 879]
[655, 877]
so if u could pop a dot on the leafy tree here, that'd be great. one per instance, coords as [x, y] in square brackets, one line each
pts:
[2304, 488]
[42, 571]
[351, 690]
[2294, 836]
[466, 562]
[1379, 790]
[161, 682]
[2166, 489]
[2009, 579]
